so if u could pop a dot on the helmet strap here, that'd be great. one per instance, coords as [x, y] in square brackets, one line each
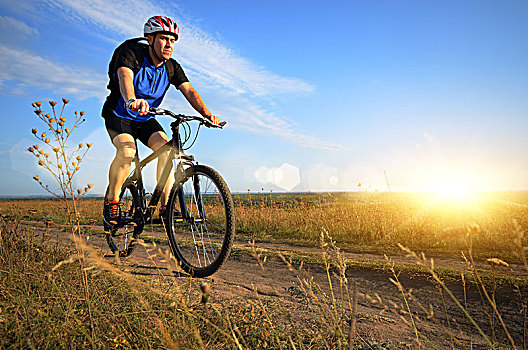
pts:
[154, 51]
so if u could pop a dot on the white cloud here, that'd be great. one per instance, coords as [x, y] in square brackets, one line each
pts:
[227, 76]
[48, 75]
[11, 27]
[197, 51]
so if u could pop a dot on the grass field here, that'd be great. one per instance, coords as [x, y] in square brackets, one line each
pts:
[53, 296]
[360, 221]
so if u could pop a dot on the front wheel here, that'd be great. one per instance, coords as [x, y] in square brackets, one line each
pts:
[201, 221]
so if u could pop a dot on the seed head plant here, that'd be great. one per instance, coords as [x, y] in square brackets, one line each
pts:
[61, 160]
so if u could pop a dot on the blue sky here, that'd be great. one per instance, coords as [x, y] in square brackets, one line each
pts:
[318, 96]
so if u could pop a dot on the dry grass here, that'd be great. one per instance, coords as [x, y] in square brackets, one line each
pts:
[376, 221]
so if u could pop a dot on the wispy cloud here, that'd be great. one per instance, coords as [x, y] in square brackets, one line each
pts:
[207, 61]
[197, 50]
[48, 75]
[253, 118]
[10, 27]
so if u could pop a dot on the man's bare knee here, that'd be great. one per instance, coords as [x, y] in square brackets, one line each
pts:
[125, 154]
[125, 148]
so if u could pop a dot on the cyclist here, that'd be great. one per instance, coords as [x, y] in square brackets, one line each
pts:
[143, 75]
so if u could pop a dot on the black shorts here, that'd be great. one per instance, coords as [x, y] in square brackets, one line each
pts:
[139, 130]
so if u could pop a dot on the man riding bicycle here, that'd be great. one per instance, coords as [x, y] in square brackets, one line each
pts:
[142, 77]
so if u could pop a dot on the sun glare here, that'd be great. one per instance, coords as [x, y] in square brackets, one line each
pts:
[454, 191]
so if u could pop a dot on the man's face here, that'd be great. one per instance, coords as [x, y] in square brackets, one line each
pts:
[163, 45]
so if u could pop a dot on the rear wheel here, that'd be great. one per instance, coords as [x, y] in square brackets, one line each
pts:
[121, 239]
[201, 221]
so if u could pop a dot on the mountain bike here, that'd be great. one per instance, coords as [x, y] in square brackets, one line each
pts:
[200, 215]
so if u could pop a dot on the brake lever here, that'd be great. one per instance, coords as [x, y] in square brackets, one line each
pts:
[155, 111]
[208, 124]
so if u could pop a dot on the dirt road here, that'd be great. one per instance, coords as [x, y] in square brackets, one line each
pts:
[381, 317]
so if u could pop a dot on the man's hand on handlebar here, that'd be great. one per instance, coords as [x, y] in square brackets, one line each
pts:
[216, 121]
[138, 105]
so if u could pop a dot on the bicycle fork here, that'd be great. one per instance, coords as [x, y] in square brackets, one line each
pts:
[194, 199]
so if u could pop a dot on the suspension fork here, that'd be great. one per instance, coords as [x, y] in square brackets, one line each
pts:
[180, 180]
[198, 196]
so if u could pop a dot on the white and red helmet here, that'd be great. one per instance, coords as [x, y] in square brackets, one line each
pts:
[161, 24]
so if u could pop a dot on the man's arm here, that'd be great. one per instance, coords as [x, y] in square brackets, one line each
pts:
[126, 87]
[196, 101]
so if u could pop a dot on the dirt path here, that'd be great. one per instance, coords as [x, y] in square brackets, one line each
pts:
[242, 281]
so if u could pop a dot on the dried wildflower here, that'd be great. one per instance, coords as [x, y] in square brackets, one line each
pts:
[473, 228]
[80, 145]
[36, 178]
[497, 262]
[36, 146]
[34, 105]
[46, 155]
[56, 149]
[52, 103]
[88, 145]
[34, 131]
[79, 191]
[77, 168]
[67, 130]
[41, 151]
[38, 112]
[30, 149]
[78, 158]
[82, 113]
[43, 134]
[89, 185]
[59, 130]
[47, 140]
[38, 103]
[51, 120]
[62, 119]
[59, 166]
[205, 287]
[61, 123]
[68, 173]
[65, 100]
[41, 162]
[74, 163]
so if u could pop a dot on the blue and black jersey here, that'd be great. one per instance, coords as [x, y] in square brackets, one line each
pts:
[150, 83]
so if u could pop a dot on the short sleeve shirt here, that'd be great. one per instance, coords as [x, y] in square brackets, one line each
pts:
[150, 83]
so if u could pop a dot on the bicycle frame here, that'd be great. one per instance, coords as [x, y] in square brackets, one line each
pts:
[174, 148]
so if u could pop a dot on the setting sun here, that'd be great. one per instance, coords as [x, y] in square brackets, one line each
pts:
[455, 190]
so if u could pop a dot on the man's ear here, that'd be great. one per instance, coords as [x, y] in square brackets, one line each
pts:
[150, 39]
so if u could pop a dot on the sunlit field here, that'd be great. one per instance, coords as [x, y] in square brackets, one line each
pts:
[109, 307]
[420, 220]
[363, 221]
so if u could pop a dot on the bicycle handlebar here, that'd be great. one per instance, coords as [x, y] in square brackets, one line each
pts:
[183, 117]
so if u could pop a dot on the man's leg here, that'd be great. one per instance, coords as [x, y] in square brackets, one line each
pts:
[120, 167]
[155, 141]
